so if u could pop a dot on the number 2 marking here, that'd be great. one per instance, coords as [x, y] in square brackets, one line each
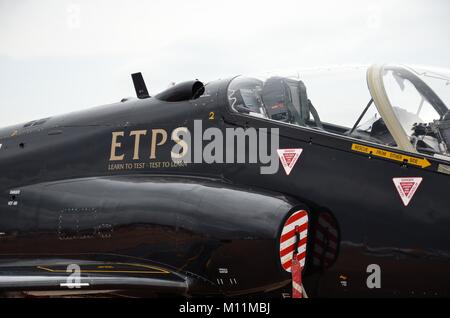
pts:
[211, 115]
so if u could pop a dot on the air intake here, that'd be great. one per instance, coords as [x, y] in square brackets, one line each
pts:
[182, 91]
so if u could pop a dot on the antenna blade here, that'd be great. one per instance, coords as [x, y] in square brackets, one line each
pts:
[139, 85]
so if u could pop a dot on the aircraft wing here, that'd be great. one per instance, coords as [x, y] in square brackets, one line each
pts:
[88, 276]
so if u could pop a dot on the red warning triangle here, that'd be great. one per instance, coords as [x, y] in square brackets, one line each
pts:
[288, 158]
[406, 188]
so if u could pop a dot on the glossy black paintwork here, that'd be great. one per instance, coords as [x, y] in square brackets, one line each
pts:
[194, 219]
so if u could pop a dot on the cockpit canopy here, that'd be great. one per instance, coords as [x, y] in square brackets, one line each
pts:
[397, 106]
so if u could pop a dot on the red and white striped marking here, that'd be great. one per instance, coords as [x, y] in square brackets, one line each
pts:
[288, 238]
[297, 287]
[326, 241]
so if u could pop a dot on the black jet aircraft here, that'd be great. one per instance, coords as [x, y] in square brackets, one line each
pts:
[328, 185]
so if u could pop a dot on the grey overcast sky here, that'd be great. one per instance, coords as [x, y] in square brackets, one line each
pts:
[58, 56]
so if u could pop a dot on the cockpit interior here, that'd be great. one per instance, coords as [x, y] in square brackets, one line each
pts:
[403, 107]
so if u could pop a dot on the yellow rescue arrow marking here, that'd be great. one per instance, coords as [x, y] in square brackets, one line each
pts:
[421, 162]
